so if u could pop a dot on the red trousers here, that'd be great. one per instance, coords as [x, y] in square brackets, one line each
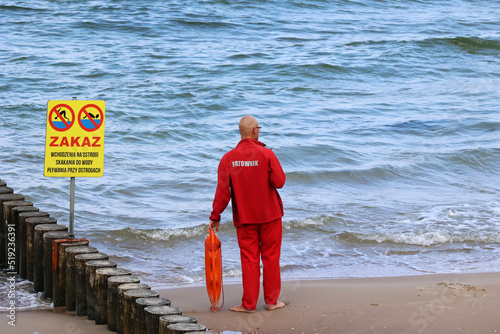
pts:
[258, 241]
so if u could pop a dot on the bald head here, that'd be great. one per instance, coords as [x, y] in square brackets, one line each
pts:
[249, 127]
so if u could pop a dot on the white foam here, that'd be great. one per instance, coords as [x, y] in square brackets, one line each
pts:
[168, 234]
[317, 221]
[21, 295]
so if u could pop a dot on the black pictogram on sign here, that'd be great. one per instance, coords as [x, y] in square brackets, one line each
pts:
[61, 117]
[90, 117]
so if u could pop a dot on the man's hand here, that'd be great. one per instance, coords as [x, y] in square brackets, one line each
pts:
[213, 224]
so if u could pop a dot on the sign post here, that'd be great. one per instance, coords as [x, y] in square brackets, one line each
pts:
[72, 207]
[74, 143]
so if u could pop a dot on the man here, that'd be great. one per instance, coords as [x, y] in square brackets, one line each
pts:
[249, 175]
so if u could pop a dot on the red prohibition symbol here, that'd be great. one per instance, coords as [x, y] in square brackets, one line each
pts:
[61, 121]
[90, 121]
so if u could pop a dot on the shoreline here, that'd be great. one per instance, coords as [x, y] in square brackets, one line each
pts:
[433, 303]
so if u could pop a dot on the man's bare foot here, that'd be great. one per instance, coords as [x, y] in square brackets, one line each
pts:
[241, 308]
[275, 306]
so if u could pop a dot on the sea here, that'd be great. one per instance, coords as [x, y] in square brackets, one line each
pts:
[385, 116]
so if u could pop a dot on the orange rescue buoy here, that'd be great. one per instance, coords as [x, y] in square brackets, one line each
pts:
[213, 269]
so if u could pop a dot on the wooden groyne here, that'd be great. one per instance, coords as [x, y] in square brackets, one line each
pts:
[73, 274]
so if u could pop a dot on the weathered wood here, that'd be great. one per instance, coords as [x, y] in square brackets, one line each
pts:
[90, 277]
[59, 275]
[16, 211]
[8, 207]
[81, 280]
[120, 318]
[112, 308]
[183, 327]
[166, 320]
[3, 229]
[101, 291]
[48, 273]
[153, 314]
[6, 190]
[71, 252]
[12, 233]
[23, 230]
[129, 298]
[140, 305]
[31, 223]
[38, 256]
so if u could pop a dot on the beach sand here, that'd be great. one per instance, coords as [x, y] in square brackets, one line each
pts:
[449, 303]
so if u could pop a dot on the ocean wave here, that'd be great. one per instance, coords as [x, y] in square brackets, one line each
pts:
[198, 232]
[475, 159]
[429, 238]
[15, 9]
[441, 127]
[158, 234]
[358, 175]
[303, 223]
[475, 44]
[419, 127]
[204, 24]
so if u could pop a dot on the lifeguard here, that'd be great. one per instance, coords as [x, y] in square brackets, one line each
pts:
[249, 175]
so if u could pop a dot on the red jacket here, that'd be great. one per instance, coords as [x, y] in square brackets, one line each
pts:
[249, 175]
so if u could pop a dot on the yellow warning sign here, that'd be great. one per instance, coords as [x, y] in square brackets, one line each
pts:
[74, 143]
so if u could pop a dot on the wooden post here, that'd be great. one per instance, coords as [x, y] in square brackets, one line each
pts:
[71, 252]
[12, 232]
[140, 305]
[129, 298]
[59, 269]
[101, 291]
[166, 320]
[120, 318]
[112, 307]
[81, 280]
[23, 229]
[183, 327]
[6, 190]
[16, 211]
[3, 229]
[153, 314]
[90, 276]
[31, 223]
[39, 231]
[48, 274]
